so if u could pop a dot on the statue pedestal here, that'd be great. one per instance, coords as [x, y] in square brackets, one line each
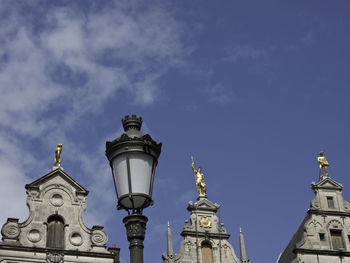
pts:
[57, 167]
[200, 197]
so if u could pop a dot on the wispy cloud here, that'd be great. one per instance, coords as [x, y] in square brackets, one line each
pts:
[243, 52]
[61, 62]
[308, 39]
[219, 94]
[191, 108]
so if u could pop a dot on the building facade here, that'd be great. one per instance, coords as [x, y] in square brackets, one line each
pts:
[324, 234]
[205, 238]
[55, 231]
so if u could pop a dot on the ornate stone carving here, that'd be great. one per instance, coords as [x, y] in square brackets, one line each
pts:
[33, 193]
[315, 223]
[11, 230]
[189, 246]
[315, 204]
[225, 249]
[98, 237]
[34, 235]
[335, 224]
[53, 257]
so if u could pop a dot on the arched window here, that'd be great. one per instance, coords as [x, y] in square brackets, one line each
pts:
[55, 232]
[207, 253]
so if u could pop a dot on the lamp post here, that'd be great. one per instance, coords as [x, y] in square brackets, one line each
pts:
[133, 158]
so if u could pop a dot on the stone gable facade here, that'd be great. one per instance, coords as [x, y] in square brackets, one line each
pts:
[55, 230]
[324, 234]
[205, 240]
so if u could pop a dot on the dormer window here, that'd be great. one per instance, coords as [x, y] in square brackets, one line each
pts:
[55, 232]
[330, 202]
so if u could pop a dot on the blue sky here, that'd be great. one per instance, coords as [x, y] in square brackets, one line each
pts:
[253, 89]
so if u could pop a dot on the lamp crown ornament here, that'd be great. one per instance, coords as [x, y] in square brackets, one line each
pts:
[132, 122]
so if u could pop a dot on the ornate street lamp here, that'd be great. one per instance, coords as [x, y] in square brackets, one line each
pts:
[133, 158]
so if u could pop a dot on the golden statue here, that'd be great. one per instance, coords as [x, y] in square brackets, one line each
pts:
[201, 186]
[58, 151]
[323, 164]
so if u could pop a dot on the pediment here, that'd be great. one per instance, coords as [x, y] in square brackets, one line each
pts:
[327, 183]
[54, 174]
[203, 205]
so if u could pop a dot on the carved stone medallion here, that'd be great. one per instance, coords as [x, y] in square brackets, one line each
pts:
[76, 239]
[34, 235]
[56, 200]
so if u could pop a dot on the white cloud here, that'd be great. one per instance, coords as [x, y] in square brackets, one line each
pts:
[13, 160]
[82, 60]
[62, 63]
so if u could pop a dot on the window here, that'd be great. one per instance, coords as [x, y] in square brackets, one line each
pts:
[207, 253]
[330, 202]
[336, 239]
[322, 236]
[55, 232]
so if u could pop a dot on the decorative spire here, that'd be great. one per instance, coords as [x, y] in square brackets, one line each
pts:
[243, 252]
[170, 251]
[323, 165]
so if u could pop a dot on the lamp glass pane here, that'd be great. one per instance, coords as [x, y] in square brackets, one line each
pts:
[141, 172]
[137, 200]
[120, 174]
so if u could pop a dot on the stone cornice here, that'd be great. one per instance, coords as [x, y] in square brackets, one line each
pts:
[322, 252]
[65, 252]
[205, 234]
[328, 213]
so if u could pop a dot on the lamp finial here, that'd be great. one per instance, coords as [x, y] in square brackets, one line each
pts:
[132, 122]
